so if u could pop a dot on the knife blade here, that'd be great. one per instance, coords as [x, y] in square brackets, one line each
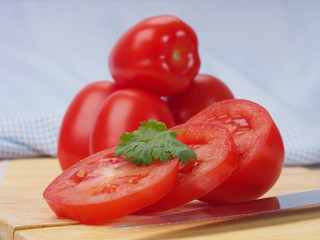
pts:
[249, 208]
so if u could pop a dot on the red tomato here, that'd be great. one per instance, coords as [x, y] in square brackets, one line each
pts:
[122, 112]
[78, 122]
[103, 187]
[217, 158]
[159, 54]
[203, 91]
[261, 149]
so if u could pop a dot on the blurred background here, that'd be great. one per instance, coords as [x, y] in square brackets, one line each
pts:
[265, 51]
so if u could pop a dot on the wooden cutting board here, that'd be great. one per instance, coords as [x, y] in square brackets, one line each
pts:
[25, 215]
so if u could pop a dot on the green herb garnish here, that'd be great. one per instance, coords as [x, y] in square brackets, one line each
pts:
[152, 142]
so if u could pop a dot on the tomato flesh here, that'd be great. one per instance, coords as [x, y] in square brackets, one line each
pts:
[217, 158]
[103, 187]
[260, 146]
[237, 124]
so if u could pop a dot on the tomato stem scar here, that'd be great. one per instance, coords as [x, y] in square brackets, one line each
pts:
[176, 55]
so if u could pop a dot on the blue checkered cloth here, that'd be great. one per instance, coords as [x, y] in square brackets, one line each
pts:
[265, 51]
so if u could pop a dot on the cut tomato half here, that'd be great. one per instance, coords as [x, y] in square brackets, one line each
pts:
[260, 144]
[103, 187]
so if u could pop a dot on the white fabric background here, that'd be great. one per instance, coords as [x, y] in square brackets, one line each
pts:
[265, 51]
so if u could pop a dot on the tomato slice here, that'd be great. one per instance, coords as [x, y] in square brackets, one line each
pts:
[217, 158]
[261, 149]
[103, 187]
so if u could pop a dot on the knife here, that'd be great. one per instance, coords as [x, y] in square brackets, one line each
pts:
[249, 208]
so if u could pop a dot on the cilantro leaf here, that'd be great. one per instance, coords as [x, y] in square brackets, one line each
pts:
[152, 142]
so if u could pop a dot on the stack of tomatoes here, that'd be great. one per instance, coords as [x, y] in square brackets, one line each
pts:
[155, 67]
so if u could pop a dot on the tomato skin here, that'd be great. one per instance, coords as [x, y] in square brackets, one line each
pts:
[158, 54]
[78, 122]
[203, 91]
[122, 112]
[84, 200]
[217, 158]
[261, 150]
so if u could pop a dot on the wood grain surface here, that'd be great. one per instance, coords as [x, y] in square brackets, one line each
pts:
[25, 215]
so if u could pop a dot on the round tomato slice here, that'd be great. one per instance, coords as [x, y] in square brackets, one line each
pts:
[261, 149]
[103, 187]
[217, 158]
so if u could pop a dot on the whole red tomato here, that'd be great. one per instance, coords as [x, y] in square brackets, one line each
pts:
[78, 122]
[203, 91]
[260, 145]
[122, 112]
[159, 54]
